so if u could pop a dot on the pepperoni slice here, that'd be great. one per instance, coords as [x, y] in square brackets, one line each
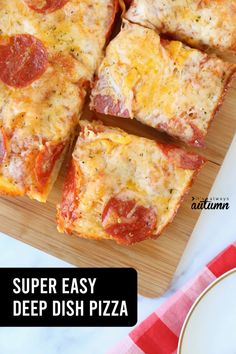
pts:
[198, 137]
[46, 6]
[69, 200]
[128, 222]
[181, 158]
[46, 161]
[106, 104]
[3, 145]
[23, 59]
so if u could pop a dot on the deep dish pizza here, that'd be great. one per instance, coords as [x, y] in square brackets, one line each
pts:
[197, 22]
[161, 83]
[49, 50]
[123, 187]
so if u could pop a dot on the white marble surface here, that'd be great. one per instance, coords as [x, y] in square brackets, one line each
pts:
[214, 231]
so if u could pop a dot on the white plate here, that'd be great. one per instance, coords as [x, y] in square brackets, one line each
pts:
[210, 327]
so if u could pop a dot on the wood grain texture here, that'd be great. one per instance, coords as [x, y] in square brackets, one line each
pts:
[155, 260]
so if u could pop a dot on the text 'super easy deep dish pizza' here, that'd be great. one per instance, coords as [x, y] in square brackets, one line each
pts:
[49, 51]
[123, 187]
[197, 22]
[161, 83]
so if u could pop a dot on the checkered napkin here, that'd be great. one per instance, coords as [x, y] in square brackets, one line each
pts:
[159, 333]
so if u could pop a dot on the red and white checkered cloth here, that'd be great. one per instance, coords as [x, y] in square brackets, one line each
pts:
[159, 333]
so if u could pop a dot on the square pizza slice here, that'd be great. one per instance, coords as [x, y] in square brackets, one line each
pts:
[200, 23]
[49, 51]
[123, 187]
[161, 83]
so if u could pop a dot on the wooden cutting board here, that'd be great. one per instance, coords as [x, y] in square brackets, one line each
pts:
[155, 260]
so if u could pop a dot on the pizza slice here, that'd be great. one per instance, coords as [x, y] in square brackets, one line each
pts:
[200, 23]
[49, 51]
[161, 83]
[123, 187]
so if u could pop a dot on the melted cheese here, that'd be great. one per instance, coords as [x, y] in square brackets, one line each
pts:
[9, 188]
[198, 22]
[164, 84]
[49, 108]
[131, 167]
